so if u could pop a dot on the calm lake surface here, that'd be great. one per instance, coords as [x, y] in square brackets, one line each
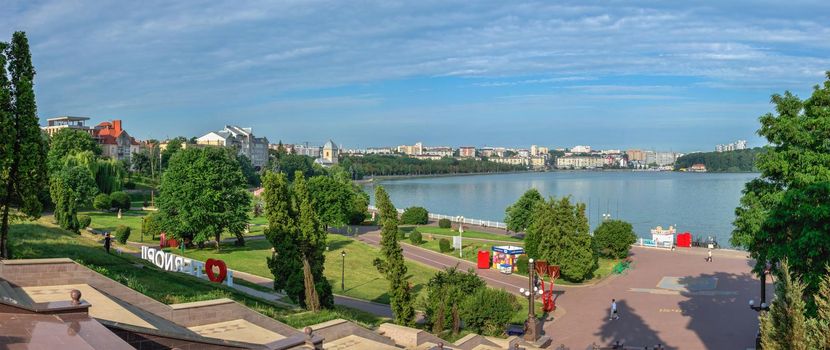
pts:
[701, 203]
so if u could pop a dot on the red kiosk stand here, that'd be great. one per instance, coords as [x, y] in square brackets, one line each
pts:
[684, 240]
[483, 260]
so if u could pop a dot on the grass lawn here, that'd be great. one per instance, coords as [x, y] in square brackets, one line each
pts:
[363, 281]
[470, 234]
[470, 250]
[42, 239]
[109, 221]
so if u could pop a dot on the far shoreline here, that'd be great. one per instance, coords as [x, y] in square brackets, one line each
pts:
[406, 177]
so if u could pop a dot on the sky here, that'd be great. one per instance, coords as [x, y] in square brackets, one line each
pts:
[610, 74]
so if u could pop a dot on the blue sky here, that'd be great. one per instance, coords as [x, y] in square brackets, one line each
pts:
[612, 74]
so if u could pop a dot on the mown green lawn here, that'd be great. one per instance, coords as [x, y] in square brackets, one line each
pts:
[362, 281]
[434, 230]
[42, 239]
[109, 221]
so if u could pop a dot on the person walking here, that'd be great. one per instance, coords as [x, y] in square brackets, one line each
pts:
[614, 315]
[709, 259]
[107, 242]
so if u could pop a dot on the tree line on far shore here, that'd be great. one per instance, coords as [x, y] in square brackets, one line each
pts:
[383, 165]
[722, 162]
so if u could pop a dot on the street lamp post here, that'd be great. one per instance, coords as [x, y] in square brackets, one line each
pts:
[460, 236]
[343, 271]
[763, 306]
[534, 327]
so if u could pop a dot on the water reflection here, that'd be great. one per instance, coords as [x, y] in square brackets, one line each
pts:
[703, 204]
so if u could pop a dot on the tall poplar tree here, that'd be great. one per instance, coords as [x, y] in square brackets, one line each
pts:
[285, 264]
[299, 242]
[391, 265]
[312, 244]
[22, 145]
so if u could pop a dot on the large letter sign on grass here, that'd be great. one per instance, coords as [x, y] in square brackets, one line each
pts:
[172, 262]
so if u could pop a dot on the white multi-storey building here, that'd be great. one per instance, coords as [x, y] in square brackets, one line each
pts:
[255, 148]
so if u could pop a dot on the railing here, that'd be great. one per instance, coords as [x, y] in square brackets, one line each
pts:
[477, 222]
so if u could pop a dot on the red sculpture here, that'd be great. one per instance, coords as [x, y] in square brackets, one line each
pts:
[552, 271]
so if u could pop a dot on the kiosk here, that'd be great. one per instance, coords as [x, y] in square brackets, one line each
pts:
[505, 258]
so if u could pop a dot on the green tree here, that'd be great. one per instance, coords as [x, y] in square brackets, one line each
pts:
[613, 239]
[333, 200]
[67, 142]
[286, 262]
[102, 202]
[23, 172]
[559, 234]
[202, 194]
[446, 290]
[71, 188]
[174, 145]
[120, 200]
[488, 311]
[783, 214]
[312, 244]
[391, 263]
[519, 215]
[248, 170]
[150, 225]
[786, 325]
[415, 216]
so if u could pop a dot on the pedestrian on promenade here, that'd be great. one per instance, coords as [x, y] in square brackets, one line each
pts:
[614, 315]
[107, 242]
[709, 259]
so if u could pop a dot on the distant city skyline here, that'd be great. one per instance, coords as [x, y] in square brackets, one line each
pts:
[645, 75]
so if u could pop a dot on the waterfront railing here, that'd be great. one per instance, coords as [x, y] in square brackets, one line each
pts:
[456, 218]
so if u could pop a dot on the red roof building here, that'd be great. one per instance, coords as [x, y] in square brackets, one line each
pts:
[115, 142]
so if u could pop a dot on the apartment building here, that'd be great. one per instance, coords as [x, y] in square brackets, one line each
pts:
[243, 139]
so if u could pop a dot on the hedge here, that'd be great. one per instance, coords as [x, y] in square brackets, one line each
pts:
[122, 233]
[84, 221]
[120, 200]
[415, 216]
[444, 223]
[415, 237]
[444, 245]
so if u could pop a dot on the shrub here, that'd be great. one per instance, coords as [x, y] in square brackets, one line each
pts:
[444, 245]
[129, 185]
[444, 223]
[613, 239]
[445, 290]
[120, 200]
[488, 311]
[122, 233]
[150, 226]
[415, 237]
[84, 221]
[415, 216]
[522, 264]
[102, 202]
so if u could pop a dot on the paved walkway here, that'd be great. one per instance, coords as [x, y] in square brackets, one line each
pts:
[673, 298]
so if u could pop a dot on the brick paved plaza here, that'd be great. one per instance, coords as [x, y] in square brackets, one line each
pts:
[672, 298]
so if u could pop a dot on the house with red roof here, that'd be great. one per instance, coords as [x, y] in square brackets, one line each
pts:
[115, 142]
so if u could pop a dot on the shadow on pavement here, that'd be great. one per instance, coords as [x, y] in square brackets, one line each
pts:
[721, 317]
[629, 330]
